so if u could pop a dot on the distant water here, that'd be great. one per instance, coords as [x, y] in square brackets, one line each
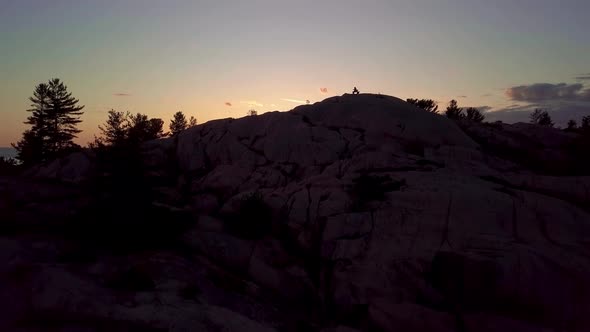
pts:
[7, 152]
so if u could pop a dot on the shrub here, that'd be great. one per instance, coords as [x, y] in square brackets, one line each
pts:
[253, 218]
[368, 188]
[8, 166]
[415, 147]
[133, 279]
[572, 125]
[189, 292]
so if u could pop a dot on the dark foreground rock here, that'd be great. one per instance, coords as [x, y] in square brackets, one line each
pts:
[357, 213]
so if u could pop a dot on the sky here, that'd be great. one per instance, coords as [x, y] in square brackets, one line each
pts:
[220, 58]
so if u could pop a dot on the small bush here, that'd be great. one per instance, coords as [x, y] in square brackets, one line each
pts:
[189, 292]
[415, 147]
[133, 279]
[426, 162]
[253, 219]
[368, 188]
[8, 166]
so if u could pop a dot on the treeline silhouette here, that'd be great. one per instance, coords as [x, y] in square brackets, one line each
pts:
[453, 110]
[538, 117]
[55, 115]
[54, 118]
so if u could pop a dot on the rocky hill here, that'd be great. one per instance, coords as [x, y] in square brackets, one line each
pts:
[361, 212]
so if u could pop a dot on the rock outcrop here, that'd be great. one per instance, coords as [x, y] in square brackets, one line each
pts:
[382, 217]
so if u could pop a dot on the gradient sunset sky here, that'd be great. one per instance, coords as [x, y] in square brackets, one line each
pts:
[158, 57]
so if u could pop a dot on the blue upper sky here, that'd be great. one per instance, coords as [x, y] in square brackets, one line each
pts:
[200, 57]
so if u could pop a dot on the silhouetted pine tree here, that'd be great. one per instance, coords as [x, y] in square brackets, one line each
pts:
[115, 130]
[541, 118]
[192, 122]
[454, 111]
[572, 125]
[178, 123]
[54, 117]
[425, 104]
[473, 114]
[144, 129]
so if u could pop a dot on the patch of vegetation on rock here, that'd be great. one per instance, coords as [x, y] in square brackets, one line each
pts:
[414, 147]
[133, 279]
[368, 188]
[252, 219]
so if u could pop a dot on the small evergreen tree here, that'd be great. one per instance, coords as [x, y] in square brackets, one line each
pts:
[192, 122]
[425, 104]
[155, 129]
[571, 125]
[144, 129]
[454, 111]
[115, 131]
[30, 149]
[541, 118]
[585, 123]
[473, 114]
[178, 123]
[252, 113]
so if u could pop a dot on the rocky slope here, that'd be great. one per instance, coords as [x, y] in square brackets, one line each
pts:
[370, 215]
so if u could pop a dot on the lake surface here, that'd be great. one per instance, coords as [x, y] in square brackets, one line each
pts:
[7, 152]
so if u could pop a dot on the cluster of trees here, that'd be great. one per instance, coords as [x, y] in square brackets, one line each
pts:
[124, 128]
[54, 118]
[453, 111]
[55, 115]
[538, 116]
[542, 118]
[572, 125]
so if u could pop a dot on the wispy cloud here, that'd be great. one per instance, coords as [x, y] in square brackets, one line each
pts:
[121, 94]
[252, 103]
[96, 108]
[227, 103]
[585, 77]
[487, 95]
[483, 109]
[296, 101]
[461, 96]
[324, 90]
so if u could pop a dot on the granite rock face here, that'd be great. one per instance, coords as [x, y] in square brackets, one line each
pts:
[381, 216]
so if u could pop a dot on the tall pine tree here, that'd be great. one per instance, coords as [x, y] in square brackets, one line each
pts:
[64, 116]
[54, 117]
